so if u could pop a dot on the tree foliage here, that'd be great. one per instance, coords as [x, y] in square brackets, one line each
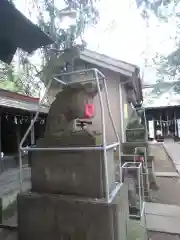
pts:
[20, 79]
[26, 78]
[50, 20]
[161, 8]
[167, 66]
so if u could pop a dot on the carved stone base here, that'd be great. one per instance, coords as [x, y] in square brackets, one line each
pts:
[71, 172]
[64, 217]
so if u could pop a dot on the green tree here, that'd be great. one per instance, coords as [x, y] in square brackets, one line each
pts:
[167, 66]
[161, 8]
[29, 79]
[55, 57]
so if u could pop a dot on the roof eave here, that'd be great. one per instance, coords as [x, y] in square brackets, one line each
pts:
[106, 65]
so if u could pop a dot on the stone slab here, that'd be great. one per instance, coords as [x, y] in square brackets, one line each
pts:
[162, 218]
[172, 149]
[129, 147]
[55, 217]
[79, 173]
[162, 236]
[12, 221]
[163, 224]
[10, 186]
[12, 236]
[162, 209]
[166, 174]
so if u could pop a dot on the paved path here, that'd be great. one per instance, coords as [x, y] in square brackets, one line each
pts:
[161, 161]
[8, 235]
[10, 186]
[173, 151]
[167, 174]
[162, 218]
[10, 180]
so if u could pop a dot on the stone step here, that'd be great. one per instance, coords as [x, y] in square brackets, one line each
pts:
[172, 149]
[167, 174]
[9, 181]
[12, 236]
[162, 217]
[130, 158]
[129, 147]
[163, 224]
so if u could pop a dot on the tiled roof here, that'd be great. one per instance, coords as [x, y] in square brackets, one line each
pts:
[23, 105]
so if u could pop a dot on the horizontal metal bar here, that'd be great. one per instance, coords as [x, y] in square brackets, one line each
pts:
[69, 148]
[80, 71]
[135, 216]
[84, 81]
[60, 81]
[62, 149]
[112, 145]
[133, 165]
[78, 81]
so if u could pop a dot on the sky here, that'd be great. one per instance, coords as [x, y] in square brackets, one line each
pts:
[121, 33]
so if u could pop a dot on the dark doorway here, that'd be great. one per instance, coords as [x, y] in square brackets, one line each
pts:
[8, 136]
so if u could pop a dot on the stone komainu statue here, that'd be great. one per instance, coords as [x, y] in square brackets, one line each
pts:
[70, 104]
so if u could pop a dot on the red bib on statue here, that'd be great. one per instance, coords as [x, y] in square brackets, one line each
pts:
[89, 111]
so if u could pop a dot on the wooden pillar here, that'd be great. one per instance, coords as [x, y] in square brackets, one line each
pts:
[1, 166]
[32, 133]
[1, 210]
[1, 200]
[1, 169]
[18, 139]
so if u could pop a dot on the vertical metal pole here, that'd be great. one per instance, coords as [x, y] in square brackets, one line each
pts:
[27, 132]
[147, 171]
[122, 130]
[103, 136]
[145, 123]
[139, 186]
[142, 187]
[121, 113]
[114, 128]
[1, 210]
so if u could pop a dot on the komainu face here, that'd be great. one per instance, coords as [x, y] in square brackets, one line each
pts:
[70, 104]
[75, 98]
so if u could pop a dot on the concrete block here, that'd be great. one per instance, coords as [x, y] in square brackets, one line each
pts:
[55, 217]
[162, 224]
[129, 147]
[72, 172]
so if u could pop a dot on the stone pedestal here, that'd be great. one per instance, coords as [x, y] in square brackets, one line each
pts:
[78, 173]
[55, 217]
[68, 196]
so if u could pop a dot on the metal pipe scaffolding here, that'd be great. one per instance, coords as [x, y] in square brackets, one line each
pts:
[104, 146]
